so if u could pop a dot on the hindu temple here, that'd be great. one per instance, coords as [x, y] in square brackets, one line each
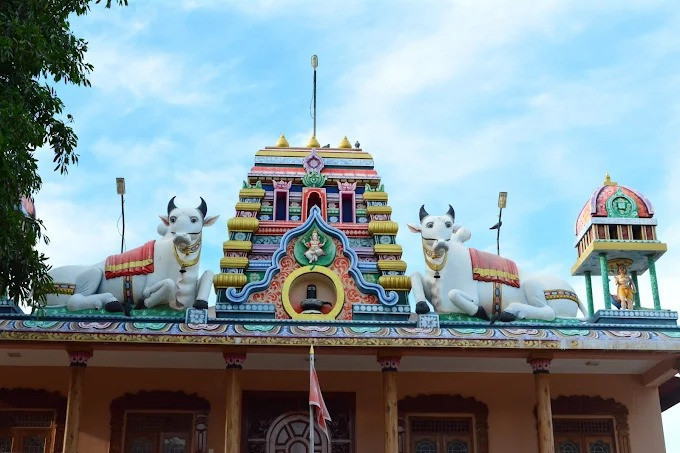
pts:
[468, 356]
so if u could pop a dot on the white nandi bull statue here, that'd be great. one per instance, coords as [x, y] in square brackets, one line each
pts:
[464, 280]
[164, 271]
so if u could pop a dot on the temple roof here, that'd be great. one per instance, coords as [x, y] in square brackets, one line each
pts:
[598, 206]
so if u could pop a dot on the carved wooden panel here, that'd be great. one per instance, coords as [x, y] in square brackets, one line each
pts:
[29, 409]
[447, 404]
[167, 430]
[591, 406]
[264, 410]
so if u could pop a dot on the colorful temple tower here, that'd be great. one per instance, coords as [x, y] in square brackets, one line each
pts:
[616, 235]
[312, 239]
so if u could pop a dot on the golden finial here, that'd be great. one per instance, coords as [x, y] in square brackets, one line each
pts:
[282, 142]
[345, 144]
[313, 142]
[608, 180]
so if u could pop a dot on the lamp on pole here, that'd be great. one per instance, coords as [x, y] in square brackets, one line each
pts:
[120, 190]
[502, 200]
[315, 63]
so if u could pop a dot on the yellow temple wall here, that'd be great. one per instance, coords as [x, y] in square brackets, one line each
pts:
[509, 397]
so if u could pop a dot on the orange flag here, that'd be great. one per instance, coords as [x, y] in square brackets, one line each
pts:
[316, 398]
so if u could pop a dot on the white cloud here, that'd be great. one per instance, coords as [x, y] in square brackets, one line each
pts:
[149, 75]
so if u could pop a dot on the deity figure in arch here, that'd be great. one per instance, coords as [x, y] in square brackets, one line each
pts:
[625, 288]
[314, 247]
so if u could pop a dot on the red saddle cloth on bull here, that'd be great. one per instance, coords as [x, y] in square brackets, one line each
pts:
[137, 261]
[487, 267]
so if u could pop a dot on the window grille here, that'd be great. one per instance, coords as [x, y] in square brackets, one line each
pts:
[583, 426]
[33, 444]
[441, 425]
[457, 447]
[568, 447]
[426, 446]
[599, 447]
[26, 419]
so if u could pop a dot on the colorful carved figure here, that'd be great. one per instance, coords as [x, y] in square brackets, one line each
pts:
[464, 280]
[625, 288]
[314, 247]
[164, 271]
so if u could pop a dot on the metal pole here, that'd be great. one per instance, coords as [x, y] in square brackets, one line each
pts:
[311, 429]
[122, 208]
[311, 413]
[498, 233]
[314, 102]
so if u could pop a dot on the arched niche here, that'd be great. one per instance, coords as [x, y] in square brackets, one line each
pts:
[448, 405]
[595, 406]
[159, 401]
[38, 399]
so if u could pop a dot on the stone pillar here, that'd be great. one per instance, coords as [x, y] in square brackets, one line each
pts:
[636, 301]
[604, 270]
[232, 424]
[589, 293]
[389, 366]
[78, 361]
[655, 284]
[541, 368]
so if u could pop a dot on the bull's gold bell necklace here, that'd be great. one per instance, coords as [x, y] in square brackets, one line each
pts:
[187, 251]
[434, 255]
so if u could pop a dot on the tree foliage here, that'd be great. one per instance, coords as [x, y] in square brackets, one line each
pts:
[37, 52]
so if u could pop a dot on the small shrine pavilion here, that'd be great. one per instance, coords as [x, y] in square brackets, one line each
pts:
[616, 231]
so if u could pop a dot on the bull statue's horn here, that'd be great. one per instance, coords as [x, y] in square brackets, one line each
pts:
[203, 207]
[451, 213]
[423, 213]
[171, 205]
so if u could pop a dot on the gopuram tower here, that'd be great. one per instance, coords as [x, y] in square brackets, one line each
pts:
[312, 239]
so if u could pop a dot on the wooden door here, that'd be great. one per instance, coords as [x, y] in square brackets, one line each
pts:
[456, 444]
[141, 443]
[6, 441]
[425, 443]
[290, 434]
[18, 440]
[440, 443]
[600, 444]
[568, 444]
[175, 442]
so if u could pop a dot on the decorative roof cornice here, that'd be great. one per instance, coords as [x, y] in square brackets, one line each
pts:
[518, 336]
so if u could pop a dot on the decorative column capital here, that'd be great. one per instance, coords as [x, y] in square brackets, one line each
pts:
[389, 363]
[79, 358]
[539, 365]
[234, 360]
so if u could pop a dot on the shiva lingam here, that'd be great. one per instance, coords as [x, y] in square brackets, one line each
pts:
[311, 304]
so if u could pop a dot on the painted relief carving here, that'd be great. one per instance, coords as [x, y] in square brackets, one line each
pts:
[282, 185]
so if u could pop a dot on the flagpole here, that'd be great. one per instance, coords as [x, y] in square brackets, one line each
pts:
[311, 408]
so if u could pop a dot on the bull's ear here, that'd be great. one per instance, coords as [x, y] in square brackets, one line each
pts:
[164, 219]
[463, 234]
[414, 229]
[456, 227]
[210, 220]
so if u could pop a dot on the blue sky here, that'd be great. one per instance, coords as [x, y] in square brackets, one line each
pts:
[455, 100]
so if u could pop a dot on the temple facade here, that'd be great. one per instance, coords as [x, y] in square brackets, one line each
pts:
[311, 258]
